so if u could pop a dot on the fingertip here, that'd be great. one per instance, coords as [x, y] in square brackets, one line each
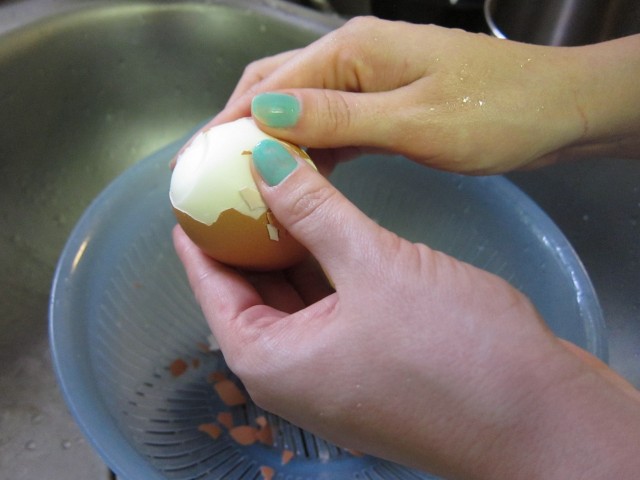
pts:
[222, 292]
[276, 109]
[273, 161]
[178, 236]
[320, 118]
[238, 107]
[314, 212]
[188, 252]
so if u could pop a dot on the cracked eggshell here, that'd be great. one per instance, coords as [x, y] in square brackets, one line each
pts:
[218, 205]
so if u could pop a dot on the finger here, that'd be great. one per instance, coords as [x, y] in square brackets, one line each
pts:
[276, 290]
[326, 159]
[261, 75]
[336, 119]
[222, 292]
[339, 235]
[257, 71]
[347, 59]
[310, 281]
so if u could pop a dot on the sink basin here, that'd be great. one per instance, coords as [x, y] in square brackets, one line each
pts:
[87, 89]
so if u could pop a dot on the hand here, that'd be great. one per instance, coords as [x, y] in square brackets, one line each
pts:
[415, 357]
[446, 98]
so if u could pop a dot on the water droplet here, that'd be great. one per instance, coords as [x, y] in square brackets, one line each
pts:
[585, 217]
[65, 444]
[30, 445]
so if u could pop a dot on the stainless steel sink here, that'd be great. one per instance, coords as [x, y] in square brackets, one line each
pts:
[87, 89]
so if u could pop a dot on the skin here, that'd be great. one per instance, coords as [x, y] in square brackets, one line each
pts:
[415, 356]
[453, 100]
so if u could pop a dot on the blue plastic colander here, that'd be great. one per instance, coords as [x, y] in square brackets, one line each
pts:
[121, 313]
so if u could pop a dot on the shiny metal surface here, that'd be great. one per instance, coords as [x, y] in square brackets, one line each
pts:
[562, 22]
[87, 89]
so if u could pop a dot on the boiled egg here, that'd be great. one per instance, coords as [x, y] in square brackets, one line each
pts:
[218, 204]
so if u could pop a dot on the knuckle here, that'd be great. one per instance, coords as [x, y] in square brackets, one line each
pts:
[258, 70]
[310, 206]
[253, 69]
[361, 24]
[351, 68]
[350, 48]
[335, 112]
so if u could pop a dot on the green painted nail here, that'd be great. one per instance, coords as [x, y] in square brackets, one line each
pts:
[276, 109]
[273, 161]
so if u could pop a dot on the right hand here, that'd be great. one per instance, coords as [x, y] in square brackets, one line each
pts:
[450, 99]
[415, 357]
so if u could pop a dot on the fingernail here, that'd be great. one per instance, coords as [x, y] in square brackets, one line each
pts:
[273, 161]
[276, 109]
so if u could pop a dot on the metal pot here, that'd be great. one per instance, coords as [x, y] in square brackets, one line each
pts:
[562, 22]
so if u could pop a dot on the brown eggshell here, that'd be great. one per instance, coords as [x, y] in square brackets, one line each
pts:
[240, 241]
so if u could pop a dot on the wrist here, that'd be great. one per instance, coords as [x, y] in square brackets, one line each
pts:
[569, 421]
[607, 95]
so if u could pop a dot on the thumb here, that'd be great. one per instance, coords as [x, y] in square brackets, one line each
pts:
[331, 118]
[339, 235]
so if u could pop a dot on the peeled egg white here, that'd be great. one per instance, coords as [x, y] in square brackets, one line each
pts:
[218, 205]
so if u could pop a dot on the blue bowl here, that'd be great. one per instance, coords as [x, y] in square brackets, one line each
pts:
[121, 312]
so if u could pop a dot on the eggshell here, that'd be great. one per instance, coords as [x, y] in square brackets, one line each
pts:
[229, 393]
[211, 429]
[218, 205]
[238, 240]
[244, 434]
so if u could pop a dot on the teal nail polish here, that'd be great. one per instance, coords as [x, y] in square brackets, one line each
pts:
[276, 109]
[273, 161]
